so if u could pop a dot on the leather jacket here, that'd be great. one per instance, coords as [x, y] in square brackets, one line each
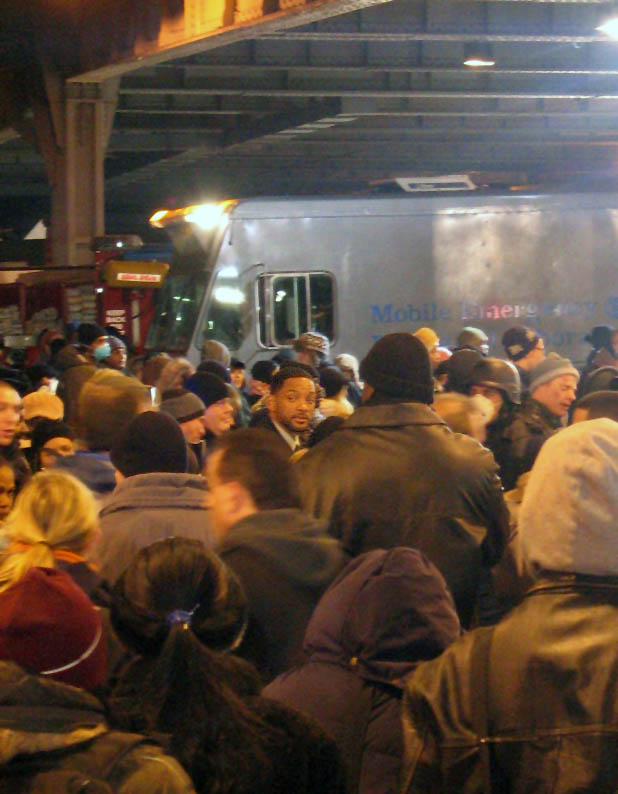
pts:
[529, 705]
[530, 427]
[516, 437]
[395, 475]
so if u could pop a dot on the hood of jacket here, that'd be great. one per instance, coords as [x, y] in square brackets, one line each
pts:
[38, 715]
[157, 490]
[92, 468]
[293, 542]
[567, 520]
[68, 357]
[386, 611]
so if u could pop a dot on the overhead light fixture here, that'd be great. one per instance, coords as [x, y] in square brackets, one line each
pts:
[478, 55]
[610, 26]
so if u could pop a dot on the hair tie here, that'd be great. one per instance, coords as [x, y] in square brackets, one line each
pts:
[180, 616]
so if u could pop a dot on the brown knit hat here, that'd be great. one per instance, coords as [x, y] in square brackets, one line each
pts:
[398, 366]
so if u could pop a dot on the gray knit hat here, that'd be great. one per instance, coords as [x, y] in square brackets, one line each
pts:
[554, 366]
[183, 405]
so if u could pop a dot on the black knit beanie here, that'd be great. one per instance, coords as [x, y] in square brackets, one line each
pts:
[215, 368]
[398, 366]
[151, 442]
[209, 388]
[518, 341]
[600, 336]
[88, 332]
[47, 429]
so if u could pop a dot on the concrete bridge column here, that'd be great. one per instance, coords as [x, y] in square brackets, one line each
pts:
[72, 134]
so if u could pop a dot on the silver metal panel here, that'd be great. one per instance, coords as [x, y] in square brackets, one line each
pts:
[545, 261]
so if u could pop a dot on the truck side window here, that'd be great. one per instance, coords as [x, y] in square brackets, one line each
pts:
[290, 308]
[290, 304]
[263, 312]
[321, 291]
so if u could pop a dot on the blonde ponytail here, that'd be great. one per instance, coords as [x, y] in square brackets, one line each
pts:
[54, 511]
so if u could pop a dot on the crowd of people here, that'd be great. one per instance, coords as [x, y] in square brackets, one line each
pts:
[315, 575]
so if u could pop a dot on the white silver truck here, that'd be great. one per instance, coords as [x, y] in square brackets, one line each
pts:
[257, 273]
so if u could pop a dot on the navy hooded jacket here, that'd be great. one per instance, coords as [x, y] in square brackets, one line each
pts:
[385, 612]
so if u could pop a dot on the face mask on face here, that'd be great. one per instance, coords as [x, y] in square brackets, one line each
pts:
[103, 351]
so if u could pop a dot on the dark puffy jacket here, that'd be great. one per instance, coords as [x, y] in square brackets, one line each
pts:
[395, 475]
[46, 726]
[385, 612]
[530, 705]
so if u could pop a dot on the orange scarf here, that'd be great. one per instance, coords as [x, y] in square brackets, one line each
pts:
[64, 555]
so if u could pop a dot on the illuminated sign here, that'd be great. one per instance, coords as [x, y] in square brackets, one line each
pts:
[134, 273]
[144, 278]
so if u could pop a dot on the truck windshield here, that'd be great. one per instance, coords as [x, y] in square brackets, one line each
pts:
[228, 315]
[178, 306]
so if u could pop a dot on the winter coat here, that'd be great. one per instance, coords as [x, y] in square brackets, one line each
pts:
[74, 370]
[261, 419]
[385, 612]
[149, 507]
[516, 437]
[94, 469]
[46, 726]
[285, 560]
[530, 705]
[529, 428]
[395, 475]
